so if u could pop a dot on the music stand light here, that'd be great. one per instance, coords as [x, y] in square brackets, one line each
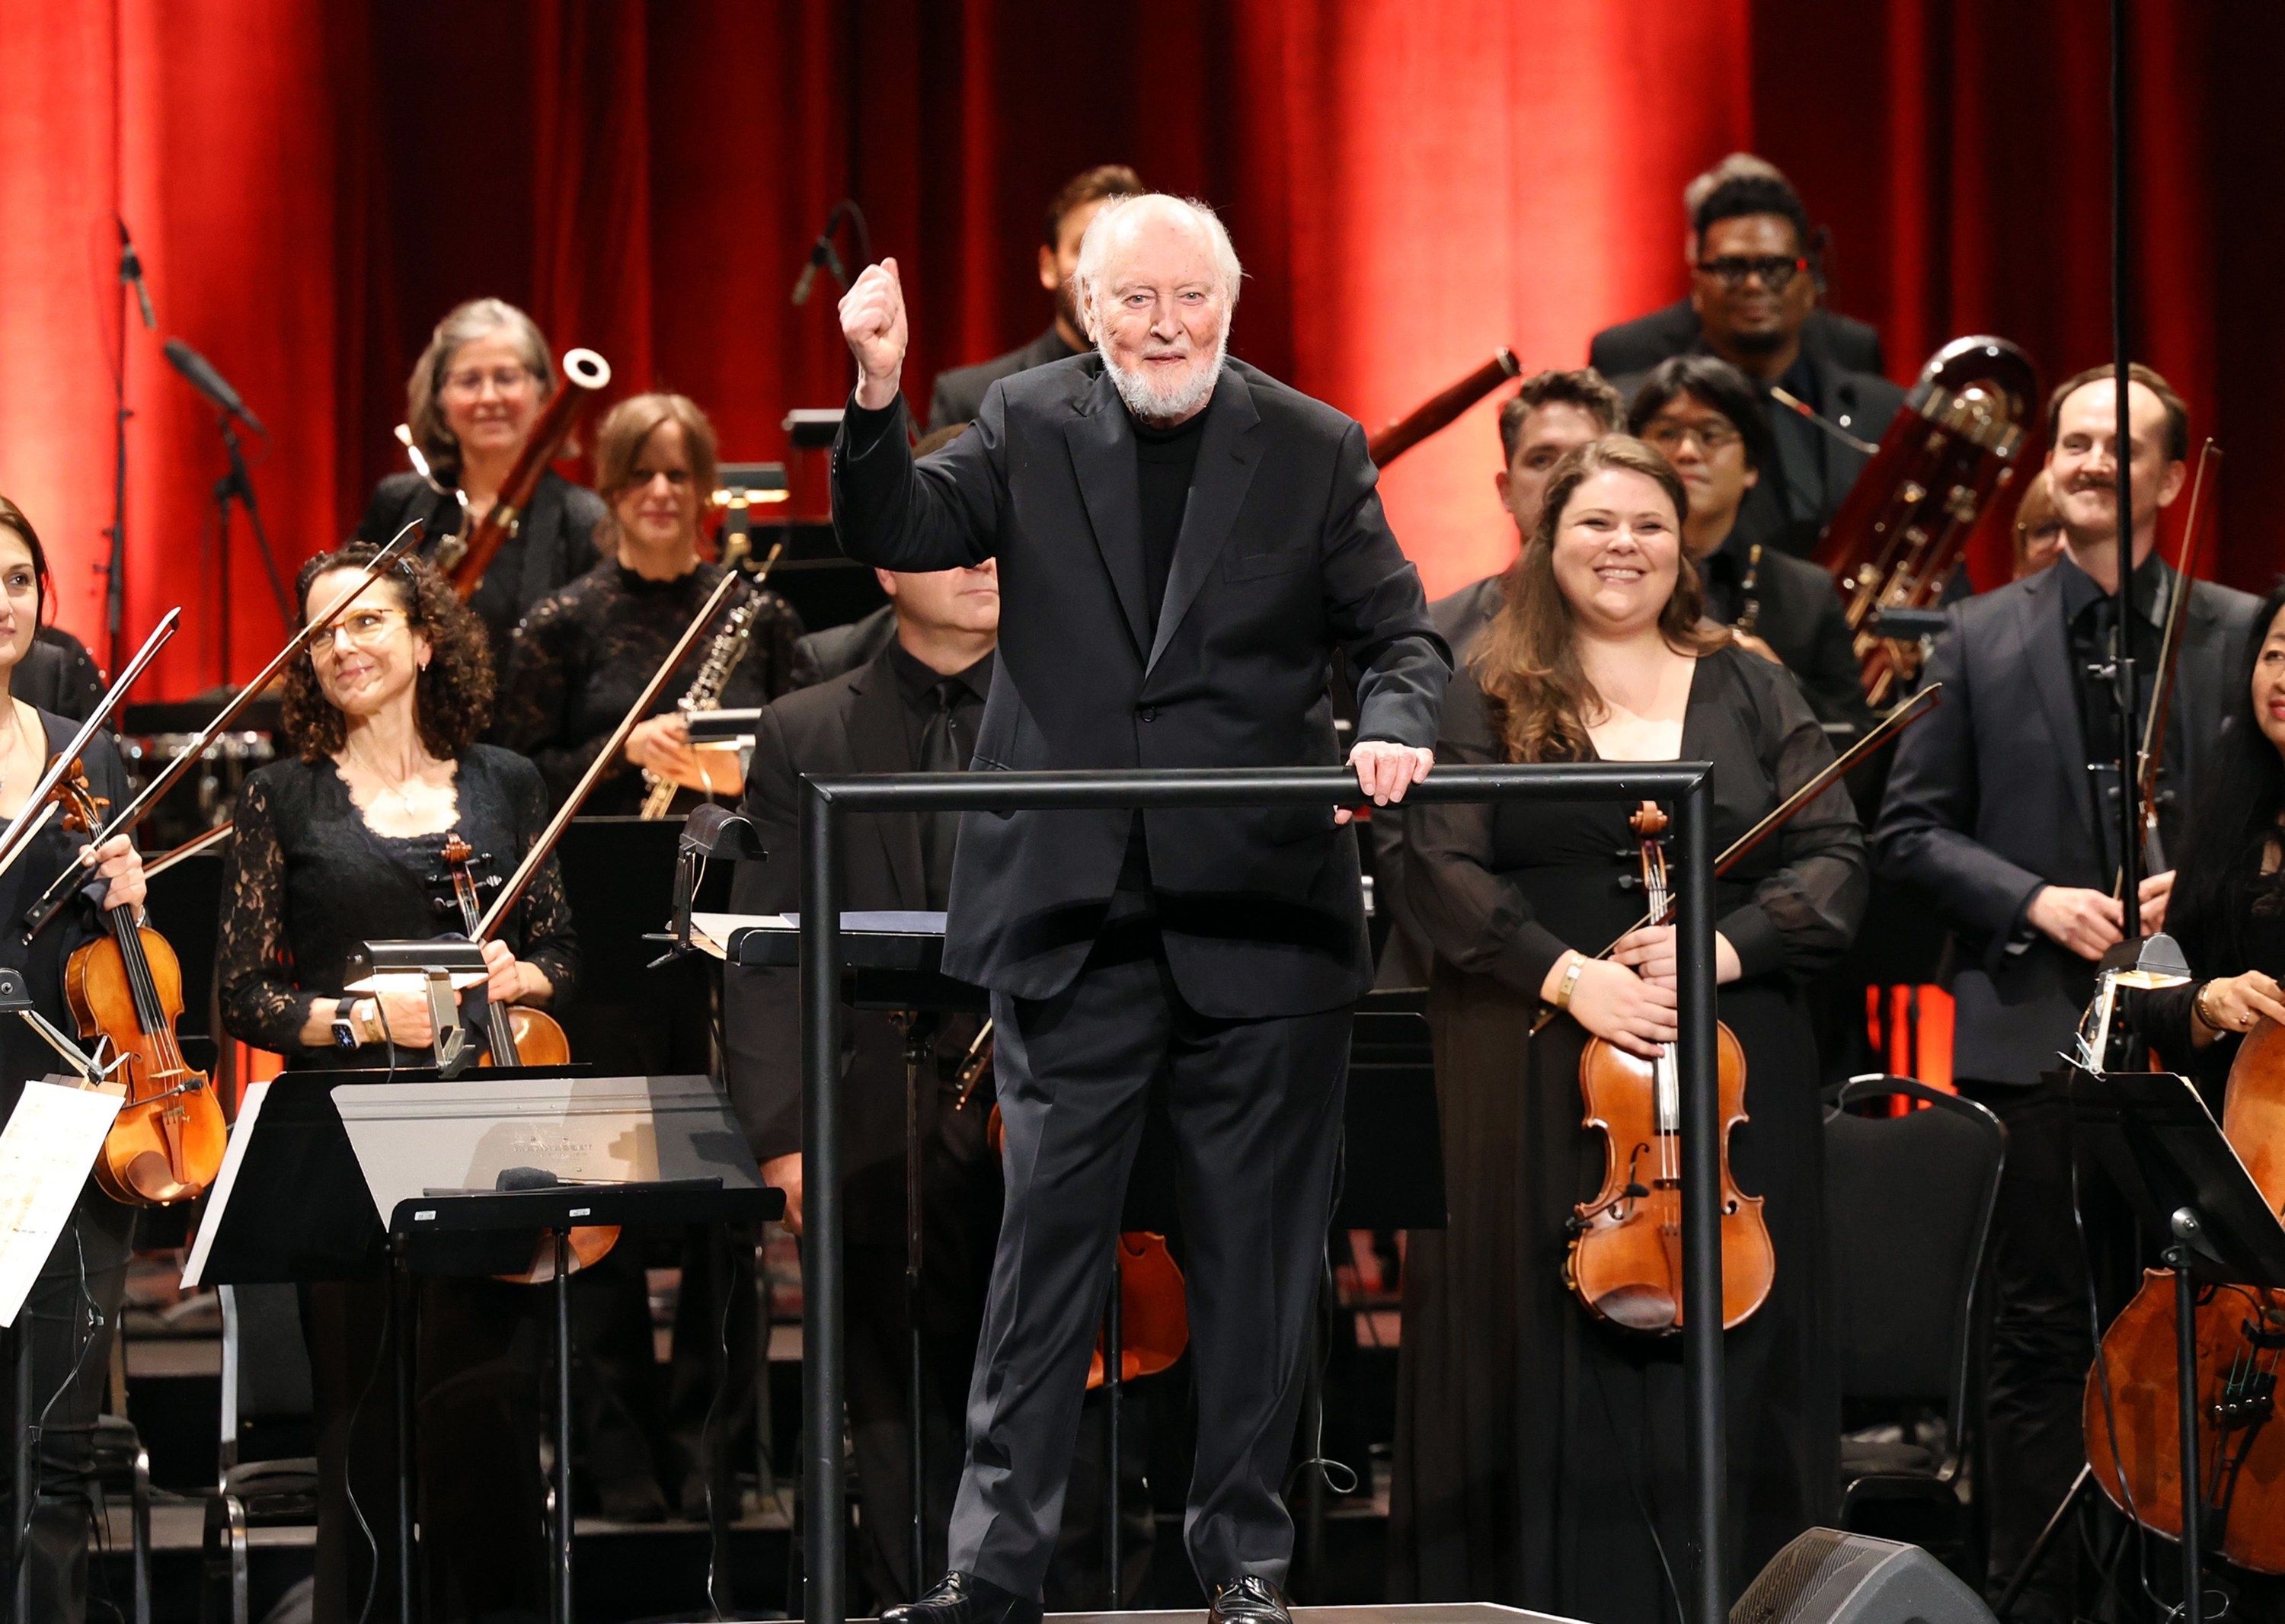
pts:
[2141, 964]
[439, 967]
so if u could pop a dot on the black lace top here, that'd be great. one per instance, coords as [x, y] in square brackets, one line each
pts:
[308, 879]
[585, 653]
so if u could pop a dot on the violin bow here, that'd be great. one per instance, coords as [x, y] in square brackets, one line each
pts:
[19, 837]
[2169, 647]
[1887, 728]
[37, 919]
[518, 882]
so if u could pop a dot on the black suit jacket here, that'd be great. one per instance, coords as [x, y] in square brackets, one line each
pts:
[1283, 557]
[959, 394]
[1989, 798]
[831, 650]
[554, 547]
[1638, 345]
[852, 722]
[1802, 621]
[57, 674]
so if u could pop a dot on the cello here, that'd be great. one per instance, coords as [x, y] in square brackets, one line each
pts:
[2131, 1422]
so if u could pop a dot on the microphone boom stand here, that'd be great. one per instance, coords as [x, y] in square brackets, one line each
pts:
[238, 485]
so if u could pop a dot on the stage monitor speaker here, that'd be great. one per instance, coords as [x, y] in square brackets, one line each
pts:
[1828, 1577]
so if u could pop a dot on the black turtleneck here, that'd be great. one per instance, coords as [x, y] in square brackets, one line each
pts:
[1164, 459]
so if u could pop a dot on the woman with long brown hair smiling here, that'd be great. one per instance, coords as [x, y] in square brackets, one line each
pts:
[1539, 1450]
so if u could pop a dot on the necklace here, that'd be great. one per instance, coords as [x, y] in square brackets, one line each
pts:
[396, 787]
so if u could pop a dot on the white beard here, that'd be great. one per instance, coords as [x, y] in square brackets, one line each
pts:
[1147, 400]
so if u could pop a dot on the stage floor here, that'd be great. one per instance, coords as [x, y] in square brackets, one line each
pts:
[1411, 1613]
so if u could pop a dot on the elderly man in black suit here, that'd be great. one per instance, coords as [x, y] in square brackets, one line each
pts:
[1636, 346]
[1995, 814]
[958, 393]
[1183, 543]
[1753, 289]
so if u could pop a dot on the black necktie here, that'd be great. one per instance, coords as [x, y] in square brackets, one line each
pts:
[940, 752]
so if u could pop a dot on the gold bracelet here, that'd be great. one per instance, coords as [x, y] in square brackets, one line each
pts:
[1570, 982]
[2205, 1016]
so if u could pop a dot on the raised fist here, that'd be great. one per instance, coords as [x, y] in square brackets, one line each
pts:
[873, 321]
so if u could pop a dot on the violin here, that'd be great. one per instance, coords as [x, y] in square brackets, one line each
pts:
[125, 990]
[1625, 1259]
[1154, 1315]
[2240, 1351]
[519, 1035]
[515, 1034]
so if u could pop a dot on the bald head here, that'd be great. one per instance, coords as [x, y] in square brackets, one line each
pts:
[1158, 280]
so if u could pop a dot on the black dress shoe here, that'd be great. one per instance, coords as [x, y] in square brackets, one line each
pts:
[964, 1598]
[1248, 1599]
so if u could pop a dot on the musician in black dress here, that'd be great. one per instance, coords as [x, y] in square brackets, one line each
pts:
[340, 843]
[2227, 910]
[583, 654]
[72, 1310]
[472, 400]
[1540, 1450]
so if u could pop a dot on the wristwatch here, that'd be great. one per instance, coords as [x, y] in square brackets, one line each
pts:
[354, 1022]
[345, 1033]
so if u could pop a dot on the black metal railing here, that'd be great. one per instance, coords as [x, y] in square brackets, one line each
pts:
[826, 801]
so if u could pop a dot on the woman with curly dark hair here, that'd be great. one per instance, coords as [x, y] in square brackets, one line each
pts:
[343, 843]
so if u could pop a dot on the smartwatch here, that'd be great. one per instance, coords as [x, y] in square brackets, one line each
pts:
[345, 1035]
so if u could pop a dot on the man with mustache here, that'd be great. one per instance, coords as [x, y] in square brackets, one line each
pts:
[1183, 542]
[2002, 810]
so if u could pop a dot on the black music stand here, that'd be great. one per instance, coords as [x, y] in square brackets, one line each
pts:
[316, 1156]
[2155, 1138]
[895, 967]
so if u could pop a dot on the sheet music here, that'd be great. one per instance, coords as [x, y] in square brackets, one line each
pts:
[46, 1152]
[242, 1134]
[712, 932]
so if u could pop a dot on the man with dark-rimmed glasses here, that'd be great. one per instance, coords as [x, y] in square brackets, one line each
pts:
[1752, 288]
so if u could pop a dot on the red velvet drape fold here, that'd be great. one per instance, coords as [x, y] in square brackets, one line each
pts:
[1409, 185]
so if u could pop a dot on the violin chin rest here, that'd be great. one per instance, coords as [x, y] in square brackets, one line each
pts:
[1639, 1307]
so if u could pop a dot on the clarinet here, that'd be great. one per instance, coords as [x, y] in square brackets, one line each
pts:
[722, 656]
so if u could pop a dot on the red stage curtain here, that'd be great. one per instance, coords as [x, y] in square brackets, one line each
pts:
[1409, 185]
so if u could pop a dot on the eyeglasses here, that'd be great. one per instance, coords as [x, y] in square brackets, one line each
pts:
[1714, 435]
[504, 380]
[359, 628]
[1776, 270]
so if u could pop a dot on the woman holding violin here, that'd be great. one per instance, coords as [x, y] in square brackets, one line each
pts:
[344, 842]
[72, 1310]
[470, 405]
[1540, 1447]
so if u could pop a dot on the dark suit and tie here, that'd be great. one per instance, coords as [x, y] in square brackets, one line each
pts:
[1992, 799]
[1209, 955]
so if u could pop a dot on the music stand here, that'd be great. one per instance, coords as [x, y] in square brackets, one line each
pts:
[895, 968]
[2161, 1145]
[316, 1160]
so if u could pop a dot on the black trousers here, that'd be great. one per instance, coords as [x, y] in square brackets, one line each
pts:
[2042, 1330]
[1255, 1107]
[69, 1319]
[479, 1500]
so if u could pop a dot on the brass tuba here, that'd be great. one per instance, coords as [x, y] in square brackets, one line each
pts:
[1907, 519]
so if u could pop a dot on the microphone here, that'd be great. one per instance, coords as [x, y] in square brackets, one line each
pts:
[131, 270]
[210, 383]
[822, 254]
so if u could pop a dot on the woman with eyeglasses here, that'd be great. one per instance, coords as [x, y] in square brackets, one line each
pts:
[344, 843]
[1540, 1458]
[583, 654]
[470, 403]
[72, 1310]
